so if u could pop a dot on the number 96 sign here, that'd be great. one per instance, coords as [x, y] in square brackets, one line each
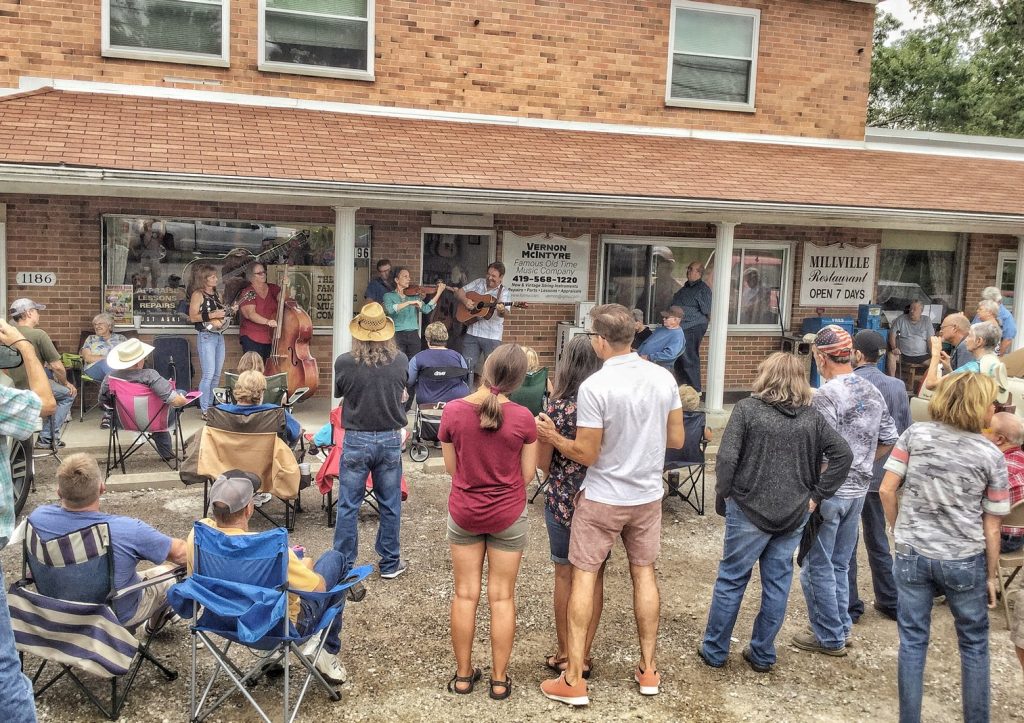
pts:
[35, 278]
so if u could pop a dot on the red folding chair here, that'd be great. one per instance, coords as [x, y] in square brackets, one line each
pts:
[138, 410]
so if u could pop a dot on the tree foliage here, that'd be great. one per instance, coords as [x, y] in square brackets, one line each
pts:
[961, 73]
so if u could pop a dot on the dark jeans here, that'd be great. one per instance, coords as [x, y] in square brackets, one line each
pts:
[476, 349]
[332, 567]
[687, 366]
[249, 345]
[879, 558]
[408, 342]
[1010, 543]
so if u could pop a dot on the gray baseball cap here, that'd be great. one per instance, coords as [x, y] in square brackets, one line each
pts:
[21, 306]
[235, 489]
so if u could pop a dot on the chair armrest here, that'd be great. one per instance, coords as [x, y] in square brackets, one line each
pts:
[355, 575]
[177, 572]
[71, 361]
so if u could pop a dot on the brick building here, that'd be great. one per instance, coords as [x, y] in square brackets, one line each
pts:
[137, 138]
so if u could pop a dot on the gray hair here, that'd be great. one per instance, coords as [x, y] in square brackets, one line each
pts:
[988, 333]
[992, 293]
[990, 306]
[104, 318]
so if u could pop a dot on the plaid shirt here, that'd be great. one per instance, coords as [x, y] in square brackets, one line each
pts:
[1015, 469]
[19, 412]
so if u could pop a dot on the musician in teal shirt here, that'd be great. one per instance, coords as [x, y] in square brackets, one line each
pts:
[405, 311]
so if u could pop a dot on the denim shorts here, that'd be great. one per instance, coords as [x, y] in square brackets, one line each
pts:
[558, 538]
[511, 539]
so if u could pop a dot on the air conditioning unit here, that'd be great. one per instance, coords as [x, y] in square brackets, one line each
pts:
[566, 331]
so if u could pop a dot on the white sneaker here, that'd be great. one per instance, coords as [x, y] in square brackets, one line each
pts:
[326, 664]
[261, 499]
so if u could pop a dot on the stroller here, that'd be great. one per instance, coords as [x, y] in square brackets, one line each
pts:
[427, 422]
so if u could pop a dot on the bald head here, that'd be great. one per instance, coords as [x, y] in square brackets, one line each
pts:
[954, 328]
[1007, 430]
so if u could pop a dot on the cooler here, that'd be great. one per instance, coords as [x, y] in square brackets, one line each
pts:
[814, 324]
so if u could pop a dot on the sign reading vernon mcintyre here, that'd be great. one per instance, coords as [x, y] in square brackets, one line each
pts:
[838, 275]
[546, 268]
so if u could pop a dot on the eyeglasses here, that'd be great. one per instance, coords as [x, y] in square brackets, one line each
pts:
[592, 334]
[259, 273]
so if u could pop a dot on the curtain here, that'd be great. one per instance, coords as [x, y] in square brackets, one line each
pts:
[892, 264]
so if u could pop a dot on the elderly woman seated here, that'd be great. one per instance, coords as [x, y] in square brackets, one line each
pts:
[95, 349]
[982, 340]
[248, 393]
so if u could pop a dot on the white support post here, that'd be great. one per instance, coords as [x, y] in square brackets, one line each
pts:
[713, 401]
[344, 280]
[1018, 294]
[3, 255]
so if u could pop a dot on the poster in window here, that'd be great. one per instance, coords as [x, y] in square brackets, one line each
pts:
[837, 275]
[117, 301]
[546, 267]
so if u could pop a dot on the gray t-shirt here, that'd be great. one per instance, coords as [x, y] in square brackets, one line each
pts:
[855, 408]
[150, 377]
[950, 477]
[912, 338]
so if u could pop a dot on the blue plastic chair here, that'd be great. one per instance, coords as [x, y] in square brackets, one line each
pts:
[238, 593]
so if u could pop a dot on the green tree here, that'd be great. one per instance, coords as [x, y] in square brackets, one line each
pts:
[961, 73]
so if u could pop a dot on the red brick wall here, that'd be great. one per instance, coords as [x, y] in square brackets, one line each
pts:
[590, 60]
[982, 266]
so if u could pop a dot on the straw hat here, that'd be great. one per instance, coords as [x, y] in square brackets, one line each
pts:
[371, 324]
[127, 354]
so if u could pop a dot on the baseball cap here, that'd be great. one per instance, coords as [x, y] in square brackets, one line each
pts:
[676, 311]
[21, 306]
[834, 341]
[235, 489]
[869, 343]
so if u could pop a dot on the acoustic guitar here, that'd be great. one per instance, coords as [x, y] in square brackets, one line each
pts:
[484, 305]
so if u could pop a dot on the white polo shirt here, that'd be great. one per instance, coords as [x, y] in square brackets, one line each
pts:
[494, 327]
[630, 399]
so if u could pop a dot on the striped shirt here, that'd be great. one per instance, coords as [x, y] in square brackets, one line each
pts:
[1015, 470]
[950, 478]
[19, 412]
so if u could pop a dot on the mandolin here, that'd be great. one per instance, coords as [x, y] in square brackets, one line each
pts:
[483, 309]
[219, 326]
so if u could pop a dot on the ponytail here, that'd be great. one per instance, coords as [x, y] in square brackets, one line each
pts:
[503, 372]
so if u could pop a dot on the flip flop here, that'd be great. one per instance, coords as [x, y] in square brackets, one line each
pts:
[471, 679]
[506, 684]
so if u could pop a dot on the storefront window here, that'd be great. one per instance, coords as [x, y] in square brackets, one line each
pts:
[1007, 275]
[148, 264]
[917, 266]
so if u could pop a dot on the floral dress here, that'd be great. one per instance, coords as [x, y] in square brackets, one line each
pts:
[566, 475]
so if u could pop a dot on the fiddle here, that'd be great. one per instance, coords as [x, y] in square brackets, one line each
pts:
[421, 290]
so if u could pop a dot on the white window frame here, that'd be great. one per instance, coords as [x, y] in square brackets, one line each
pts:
[271, 66]
[706, 244]
[1004, 258]
[172, 56]
[747, 107]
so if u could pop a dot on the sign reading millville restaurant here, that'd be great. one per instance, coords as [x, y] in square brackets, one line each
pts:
[838, 275]
[546, 268]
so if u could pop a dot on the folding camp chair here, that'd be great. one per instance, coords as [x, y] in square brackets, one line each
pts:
[238, 594]
[68, 620]
[684, 468]
[277, 390]
[137, 409]
[1011, 560]
[532, 392]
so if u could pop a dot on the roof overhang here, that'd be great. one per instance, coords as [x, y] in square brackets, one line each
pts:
[114, 183]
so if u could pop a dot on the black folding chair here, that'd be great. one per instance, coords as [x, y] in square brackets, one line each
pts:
[684, 468]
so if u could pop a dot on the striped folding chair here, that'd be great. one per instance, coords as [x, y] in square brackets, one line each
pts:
[67, 620]
[138, 410]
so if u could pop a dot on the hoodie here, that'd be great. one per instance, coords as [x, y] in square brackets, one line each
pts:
[769, 462]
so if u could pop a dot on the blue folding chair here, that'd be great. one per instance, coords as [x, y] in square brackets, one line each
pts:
[238, 593]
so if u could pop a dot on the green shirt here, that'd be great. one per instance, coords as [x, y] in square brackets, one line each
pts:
[406, 319]
[45, 350]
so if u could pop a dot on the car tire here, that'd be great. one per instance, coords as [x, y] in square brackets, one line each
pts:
[21, 473]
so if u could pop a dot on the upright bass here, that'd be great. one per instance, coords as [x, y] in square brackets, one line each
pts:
[290, 352]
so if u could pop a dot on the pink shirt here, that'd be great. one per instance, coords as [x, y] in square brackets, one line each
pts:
[1015, 470]
[488, 492]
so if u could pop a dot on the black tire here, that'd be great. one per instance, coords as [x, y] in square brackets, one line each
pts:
[21, 473]
[418, 452]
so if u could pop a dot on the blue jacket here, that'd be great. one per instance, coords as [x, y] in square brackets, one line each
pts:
[663, 346]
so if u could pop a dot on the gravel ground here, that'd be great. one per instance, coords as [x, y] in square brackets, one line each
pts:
[398, 655]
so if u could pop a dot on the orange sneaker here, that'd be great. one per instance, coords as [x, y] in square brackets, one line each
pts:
[649, 681]
[558, 689]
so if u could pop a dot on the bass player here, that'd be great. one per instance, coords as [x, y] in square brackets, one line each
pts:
[207, 313]
[484, 335]
[259, 313]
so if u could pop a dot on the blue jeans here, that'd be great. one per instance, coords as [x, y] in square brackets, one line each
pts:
[379, 454]
[879, 558]
[744, 546]
[211, 361]
[332, 567]
[558, 538]
[17, 704]
[52, 427]
[825, 576]
[919, 579]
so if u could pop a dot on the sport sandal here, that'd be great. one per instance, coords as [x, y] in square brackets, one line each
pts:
[505, 685]
[470, 679]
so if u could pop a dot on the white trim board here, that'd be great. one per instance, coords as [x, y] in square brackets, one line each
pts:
[895, 142]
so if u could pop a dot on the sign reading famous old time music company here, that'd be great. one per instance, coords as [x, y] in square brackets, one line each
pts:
[546, 268]
[838, 275]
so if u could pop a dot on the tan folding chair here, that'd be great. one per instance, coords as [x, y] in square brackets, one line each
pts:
[1011, 560]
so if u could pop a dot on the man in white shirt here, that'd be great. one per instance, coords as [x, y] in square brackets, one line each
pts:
[484, 335]
[628, 412]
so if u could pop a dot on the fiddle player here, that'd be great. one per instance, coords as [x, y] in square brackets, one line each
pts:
[403, 309]
[259, 313]
[484, 335]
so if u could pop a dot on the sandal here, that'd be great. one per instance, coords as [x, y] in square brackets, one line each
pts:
[453, 684]
[506, 684]
[559, 665]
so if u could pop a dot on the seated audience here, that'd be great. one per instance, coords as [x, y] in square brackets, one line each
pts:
[1002, 315]
[640, 329]
[79, 486]
[427, 391]
[127, 361]
[248, 394]
[1007, 432]
[533, 367]
[96, 347]
[981, 342]
[666, 343]
[231, 507]
[954, 331]
[908, 337]
[690, 399]
[250, 361]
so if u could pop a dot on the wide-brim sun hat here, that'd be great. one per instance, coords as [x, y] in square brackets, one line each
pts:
[127, 354]
[372, 324]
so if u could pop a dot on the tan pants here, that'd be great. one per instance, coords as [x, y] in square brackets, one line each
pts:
[154, 597]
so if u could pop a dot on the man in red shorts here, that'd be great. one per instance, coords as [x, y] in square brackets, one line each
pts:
[628, 412]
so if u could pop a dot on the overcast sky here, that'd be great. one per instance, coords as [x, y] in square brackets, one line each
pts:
[901, 9]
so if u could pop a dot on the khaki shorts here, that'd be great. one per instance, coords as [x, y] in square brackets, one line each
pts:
[595, 526]
[1016, 602]
[154, 596]
[511, 539]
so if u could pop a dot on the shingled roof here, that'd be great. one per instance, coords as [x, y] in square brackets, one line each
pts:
[123, 132]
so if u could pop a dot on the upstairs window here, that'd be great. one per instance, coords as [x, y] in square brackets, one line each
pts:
[173, 31]
[712, 56]
[317, 37]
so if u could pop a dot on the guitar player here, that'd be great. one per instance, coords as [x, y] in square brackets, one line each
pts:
[484, 335]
